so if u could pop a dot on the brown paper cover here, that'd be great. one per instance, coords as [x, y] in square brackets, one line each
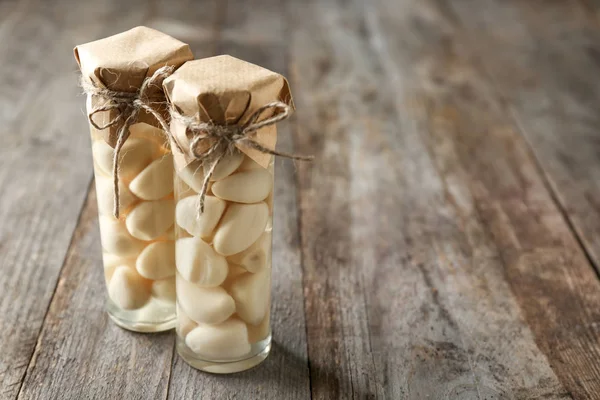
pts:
[121, 63]
[224, 90]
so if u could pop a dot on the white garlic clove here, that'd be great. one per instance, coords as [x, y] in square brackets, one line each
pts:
[134, 156]
[155, 181]
[198, 263]
[251, 293]
[235, 271]
[187, 215]
[245, 187]
[192, 175]
[152, 134]
[226, 166]
[184, 323]
[249, 164]
[116, 239]
[106, 195]
[150, 219]
[204, 305]
[164, 289]
[127, 289]
[225, 341]
[240, 227]
[111, 262]
[157, 260]
[255, 257]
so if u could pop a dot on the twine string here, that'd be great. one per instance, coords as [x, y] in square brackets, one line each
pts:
[223, 140]
[128, 106]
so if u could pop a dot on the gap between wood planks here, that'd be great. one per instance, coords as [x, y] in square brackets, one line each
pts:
[572, 382]
[553, 193]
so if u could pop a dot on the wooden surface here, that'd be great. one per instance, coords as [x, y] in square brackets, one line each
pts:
[444, 245]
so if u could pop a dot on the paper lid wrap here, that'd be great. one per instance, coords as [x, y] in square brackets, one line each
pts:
[224, 91]
[122, 62]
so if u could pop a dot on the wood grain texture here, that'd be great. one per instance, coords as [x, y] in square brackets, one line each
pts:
[558, 111]
[348, 233]
[255, 33]
[553, 100]
[45, 166]
[553, 97]
[416, 197]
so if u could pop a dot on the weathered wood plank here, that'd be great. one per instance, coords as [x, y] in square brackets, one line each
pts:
[549, 82]
[44, 163]
[256, 33]
[80, 353]
[553, 96]
[335, 81]
[407, 229]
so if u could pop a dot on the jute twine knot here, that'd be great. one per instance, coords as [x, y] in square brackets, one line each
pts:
[223, 140]
[128, 106]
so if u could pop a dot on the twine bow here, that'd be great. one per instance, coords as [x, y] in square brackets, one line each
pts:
[223, 140]
[128, 106]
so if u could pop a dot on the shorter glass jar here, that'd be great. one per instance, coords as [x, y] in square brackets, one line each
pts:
[223, 263]
[138, 247]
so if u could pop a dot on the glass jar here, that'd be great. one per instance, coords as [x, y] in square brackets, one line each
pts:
[138, 248]
[223, 263]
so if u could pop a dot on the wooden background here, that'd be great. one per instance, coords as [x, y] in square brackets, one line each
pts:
[442, 246]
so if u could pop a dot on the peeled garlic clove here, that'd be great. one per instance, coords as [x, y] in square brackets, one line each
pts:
[106, 195]
[157, 260]
[192, 175]
[116, 240]
[241, 226]
[169, 235]
[245, 187]
[228, 340]
[204, 305]
[155, 181]
[235, 271]
[251, 294]
[150, 219]
[255, 257]
[128, 289]
[154, 135]
[249, 164]
[164, 289]
[198, 263]
[184, 323]
[226, 166]
[111, 262]
[134, 156]
[153, 312]
[259, 332]
[187, 215]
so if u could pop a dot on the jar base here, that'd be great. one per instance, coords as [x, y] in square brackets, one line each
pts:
[260, 350]
[139, 321]
[143, 327]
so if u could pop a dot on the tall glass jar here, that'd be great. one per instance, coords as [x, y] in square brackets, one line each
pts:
[223, 260]
[138, 248]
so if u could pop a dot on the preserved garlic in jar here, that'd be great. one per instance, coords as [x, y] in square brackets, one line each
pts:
[138, 244]
[223, 251]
